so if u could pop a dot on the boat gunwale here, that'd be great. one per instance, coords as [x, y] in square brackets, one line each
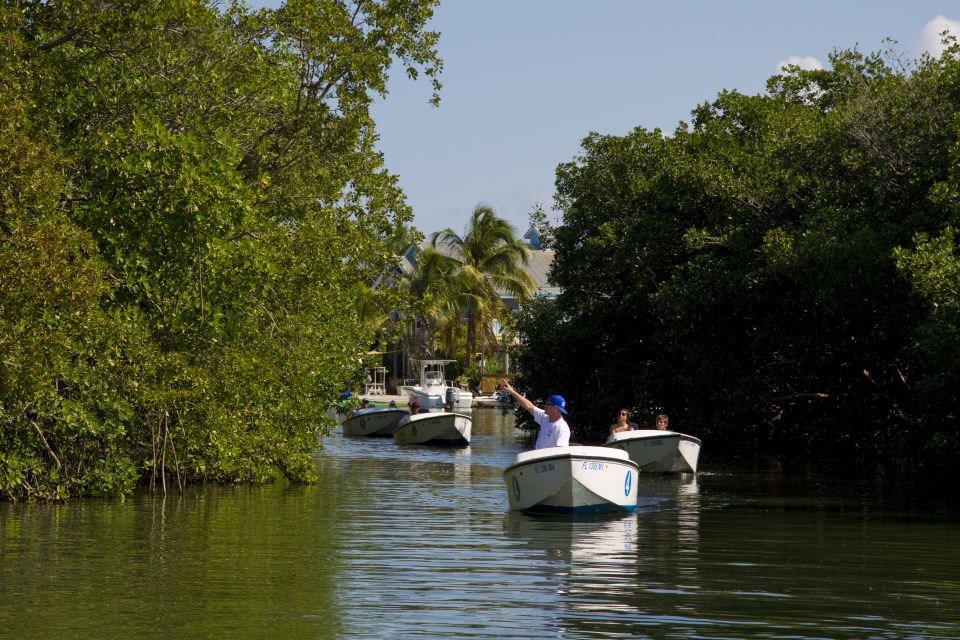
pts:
[368, 411]
[427, 415]
[636, 435]
[571, 457]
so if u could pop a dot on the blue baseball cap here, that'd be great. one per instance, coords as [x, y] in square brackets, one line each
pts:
[558, 402]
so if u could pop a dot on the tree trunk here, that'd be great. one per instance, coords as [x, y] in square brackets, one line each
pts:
[471, 336]
[426, 339]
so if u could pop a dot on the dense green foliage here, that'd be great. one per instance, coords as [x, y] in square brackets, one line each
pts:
[190, 205]
[781, 274]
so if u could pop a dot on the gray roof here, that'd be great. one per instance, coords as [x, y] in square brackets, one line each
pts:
[539, 269]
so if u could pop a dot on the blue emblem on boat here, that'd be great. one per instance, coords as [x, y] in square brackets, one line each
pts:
[628, 483]
[413, 430]
[516, 488]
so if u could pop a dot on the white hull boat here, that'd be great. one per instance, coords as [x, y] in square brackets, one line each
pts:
[572, 479]
[451, 429]
[373, 421]
[432, 391]
[658, 451]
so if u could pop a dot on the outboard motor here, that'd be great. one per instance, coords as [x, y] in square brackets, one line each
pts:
[451, 398]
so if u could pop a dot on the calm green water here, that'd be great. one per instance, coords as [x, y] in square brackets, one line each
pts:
[403, 542]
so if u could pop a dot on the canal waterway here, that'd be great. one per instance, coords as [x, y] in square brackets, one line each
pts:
[417, 542]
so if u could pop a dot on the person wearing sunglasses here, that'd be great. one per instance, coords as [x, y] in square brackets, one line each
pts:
[554, 431]
[623, 423]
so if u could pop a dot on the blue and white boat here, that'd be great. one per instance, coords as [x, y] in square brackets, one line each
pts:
[572, 479]
[658, 451]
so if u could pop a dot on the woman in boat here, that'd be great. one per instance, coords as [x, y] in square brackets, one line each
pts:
[623, 423]
[554, 431]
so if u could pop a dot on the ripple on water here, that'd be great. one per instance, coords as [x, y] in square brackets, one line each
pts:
[398, 542]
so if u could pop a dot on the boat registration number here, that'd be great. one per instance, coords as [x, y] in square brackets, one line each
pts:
[592, 466]
[544, 467]
[653, 443]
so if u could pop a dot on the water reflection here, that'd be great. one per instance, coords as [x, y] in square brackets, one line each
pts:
[613, 575]
[588, 543]
[595, 553]
[688, 528]
[669, 536]
[418, 542]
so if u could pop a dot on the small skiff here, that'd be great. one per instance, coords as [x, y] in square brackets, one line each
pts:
[373, 421]
[658, 451]
[572, 479]
[450, 429]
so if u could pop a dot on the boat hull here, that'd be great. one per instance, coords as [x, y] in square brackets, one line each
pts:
[657, 451]
[449, 429]
[571, 480]
[373, 422]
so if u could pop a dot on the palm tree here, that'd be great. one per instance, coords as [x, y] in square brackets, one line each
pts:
[430, 297]
[490, 260]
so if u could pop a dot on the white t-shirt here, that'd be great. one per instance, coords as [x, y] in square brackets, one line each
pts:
[552, 434]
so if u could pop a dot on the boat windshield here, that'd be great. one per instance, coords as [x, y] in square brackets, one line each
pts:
[433, 377]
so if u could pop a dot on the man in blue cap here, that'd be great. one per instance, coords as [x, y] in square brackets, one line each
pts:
[554, 431]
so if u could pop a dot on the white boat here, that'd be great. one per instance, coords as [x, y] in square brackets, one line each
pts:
[432, 390]
[451, 429]
[572, 479]
[658, 451]
[373, 421]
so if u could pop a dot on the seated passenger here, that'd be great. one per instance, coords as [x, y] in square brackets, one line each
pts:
[623, 423]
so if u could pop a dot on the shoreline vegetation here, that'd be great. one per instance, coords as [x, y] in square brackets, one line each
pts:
[780, 275]
[201, 246]
[192, 211]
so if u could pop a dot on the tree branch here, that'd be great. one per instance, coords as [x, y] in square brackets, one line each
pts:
[53, 44]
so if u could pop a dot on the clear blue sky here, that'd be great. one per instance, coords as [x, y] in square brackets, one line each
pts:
[526, 80]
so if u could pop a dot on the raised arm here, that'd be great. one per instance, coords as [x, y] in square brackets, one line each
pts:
[523, 402]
